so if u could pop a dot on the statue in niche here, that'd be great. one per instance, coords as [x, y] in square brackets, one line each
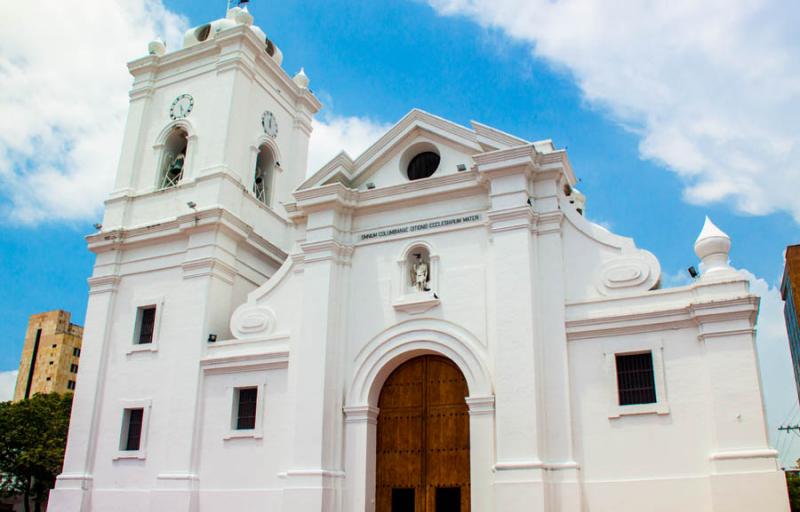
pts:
[420, 274]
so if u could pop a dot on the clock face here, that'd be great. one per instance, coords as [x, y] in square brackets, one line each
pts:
[269, 123]
[181, 107]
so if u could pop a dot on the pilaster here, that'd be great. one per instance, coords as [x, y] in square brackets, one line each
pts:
[74, 485]
[551, 345]
[518, 420]
[315, 477]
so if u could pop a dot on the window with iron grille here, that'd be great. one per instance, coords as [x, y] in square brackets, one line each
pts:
[132, 437]
[635, 379]
[247, 399]
[146, 325]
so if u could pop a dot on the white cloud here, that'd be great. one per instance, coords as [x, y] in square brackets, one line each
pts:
[777, 376]
[333, 134]
[63, 95]
[8, 381]
[712, 88]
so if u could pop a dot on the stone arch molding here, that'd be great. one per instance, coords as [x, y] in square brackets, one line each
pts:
[184, 123]
[406, 340]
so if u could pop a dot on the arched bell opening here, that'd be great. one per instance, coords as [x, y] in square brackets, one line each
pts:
[264, 171]
[423, 439]
[173, 160]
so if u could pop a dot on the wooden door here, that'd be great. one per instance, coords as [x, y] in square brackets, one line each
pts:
[423, 439]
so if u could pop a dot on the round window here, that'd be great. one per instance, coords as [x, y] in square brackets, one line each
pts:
[423, 165]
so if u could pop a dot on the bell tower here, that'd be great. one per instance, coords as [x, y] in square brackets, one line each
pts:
[215, 143]
[217, 123]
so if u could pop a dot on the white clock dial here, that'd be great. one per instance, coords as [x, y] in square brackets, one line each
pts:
[181, 107]
[269, 123]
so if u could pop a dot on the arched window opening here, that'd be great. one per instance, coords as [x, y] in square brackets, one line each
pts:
[262, 183]
[174, 158]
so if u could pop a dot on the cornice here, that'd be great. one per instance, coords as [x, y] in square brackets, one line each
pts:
[337, 196]
[245, 362]
[511, 219]
[326, 250]
[251, 54]
[207, 219]
[103, 284]
[708, 317]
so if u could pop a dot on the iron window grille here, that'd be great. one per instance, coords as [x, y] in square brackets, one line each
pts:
[636, 379]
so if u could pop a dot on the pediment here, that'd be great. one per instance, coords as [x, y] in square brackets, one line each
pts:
[382, 163]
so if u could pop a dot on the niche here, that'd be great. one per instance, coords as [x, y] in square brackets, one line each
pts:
[174, 158]
[418, 279]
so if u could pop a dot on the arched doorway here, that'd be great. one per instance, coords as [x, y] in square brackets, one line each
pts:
[423, 451]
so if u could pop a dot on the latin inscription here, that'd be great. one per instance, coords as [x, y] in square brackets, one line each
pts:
[419, 227]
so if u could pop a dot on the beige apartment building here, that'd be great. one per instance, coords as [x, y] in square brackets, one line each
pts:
[50, 356]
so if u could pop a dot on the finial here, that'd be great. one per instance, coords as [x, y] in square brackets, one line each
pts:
[157, 48]
[301, 79]
[712, 247]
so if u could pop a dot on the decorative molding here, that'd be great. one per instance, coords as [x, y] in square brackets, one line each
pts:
[361, 414]
[724, 333]
[245, 362]
[253, 321]
[480, 405]
[510, 219]
[518, 465]
[209, 267]
[659, 318]
[629, 273]
[417, 303]
[765, 453]
[103, 284]
[327, 250]
[378, 357]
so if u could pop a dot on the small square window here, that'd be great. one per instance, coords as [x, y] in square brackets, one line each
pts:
[70, 384]
[76, 352]
[246, 400]
[54, 345]
[131, 440]
[145, 325]
[73, 368]
[48, 379]
[635, 379]
[51, 362]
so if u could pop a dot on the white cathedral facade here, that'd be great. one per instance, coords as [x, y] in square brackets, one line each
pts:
[433, 326]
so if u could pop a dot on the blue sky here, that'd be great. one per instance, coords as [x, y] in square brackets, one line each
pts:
[464, 60]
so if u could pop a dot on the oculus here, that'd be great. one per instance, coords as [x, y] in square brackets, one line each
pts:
[423, 165]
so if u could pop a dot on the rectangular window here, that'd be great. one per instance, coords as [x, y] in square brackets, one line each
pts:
[70, 384]
[73, 368]
[246, 408]
[132, 430]
[635, 379]
[146, 323]
[76, 352]
[403, 500]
